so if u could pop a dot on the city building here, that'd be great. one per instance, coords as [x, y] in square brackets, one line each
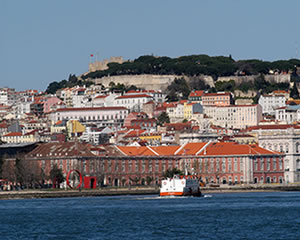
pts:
[102, 116]
[212, 162]
[270, 102]
[285, 139]
[134, 102]
[234, 116]
[217, 99]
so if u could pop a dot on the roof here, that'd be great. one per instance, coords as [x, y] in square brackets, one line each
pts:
[61, 149]
[13, 134]
[216, 94]
[134, 96]
[91, 109]
[197, 93]
[197, 149]
[100, 97]
[270, 127]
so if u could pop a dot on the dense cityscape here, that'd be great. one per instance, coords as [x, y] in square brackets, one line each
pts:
[122, 131]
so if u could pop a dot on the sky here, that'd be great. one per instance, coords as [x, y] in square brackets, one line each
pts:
[45, 41]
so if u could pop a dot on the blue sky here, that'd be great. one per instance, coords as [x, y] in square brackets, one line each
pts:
[45, 41]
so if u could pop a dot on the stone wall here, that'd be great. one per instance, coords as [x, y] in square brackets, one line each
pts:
[280, 78]
[146, 81]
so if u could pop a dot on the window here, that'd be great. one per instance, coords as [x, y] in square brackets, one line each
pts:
[123, 165]
[136, 166]
[150, 166]
[212, 165]
[109, 165]
[255, 164]
[274, 163]
[116, 166]
[268, 164]
[235, 164]
[229, 165]
[262, 164]
[223, 165]
[143, 166]
[241, 164]
[130, 166]
[156, 166]
[280, 163]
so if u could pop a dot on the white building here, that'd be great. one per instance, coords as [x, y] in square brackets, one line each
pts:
[234, 116]
[7, 96]
[102, 116]
[285, 139]
[105, 100]
[158, 96]
[270, 102]
[288, 114]
[134, 102]
[175, 112]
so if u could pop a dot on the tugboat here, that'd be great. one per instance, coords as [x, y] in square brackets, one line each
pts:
[187, 185]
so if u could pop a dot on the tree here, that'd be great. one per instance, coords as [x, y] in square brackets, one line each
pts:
[149, 180]
[171, 172]
[163, 118]
[180, 87]
[56, 175]
[135, 180]
[294, 92]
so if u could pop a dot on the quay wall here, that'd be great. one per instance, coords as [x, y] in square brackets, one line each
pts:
[28, 194]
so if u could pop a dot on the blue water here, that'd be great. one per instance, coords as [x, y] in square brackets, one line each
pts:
[221, 216]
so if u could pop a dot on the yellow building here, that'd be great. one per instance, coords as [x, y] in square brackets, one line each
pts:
[151, 138]
[187, 111]
[74, 128]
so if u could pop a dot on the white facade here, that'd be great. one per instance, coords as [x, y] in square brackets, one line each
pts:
[133, 102]
[176, 113]
[270, 102]
[288, 114]
[103, 116]
[234, 116]
[7, 96]
[285, 140]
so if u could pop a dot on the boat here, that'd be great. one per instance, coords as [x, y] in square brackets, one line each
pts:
[187, 185]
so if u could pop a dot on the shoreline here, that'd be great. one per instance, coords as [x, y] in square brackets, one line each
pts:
[51, 193]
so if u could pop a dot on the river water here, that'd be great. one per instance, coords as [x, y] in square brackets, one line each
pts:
[216, 216]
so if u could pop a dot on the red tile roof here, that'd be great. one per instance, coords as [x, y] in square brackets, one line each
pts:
[13, 134]
[91, 109]
[197, 93]
[134, 96]
[199, 149]
[216, 94]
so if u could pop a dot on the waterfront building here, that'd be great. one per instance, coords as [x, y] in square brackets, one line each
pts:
[285, 139]
[212, 162]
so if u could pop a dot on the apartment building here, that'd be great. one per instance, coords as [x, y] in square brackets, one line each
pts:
[102, 116]
[270, 102]
[217, 99]
[234, 116]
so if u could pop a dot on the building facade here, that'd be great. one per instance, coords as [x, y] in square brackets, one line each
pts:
[103, 116]
[211, 162]
[234, 116]
[270, 102]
